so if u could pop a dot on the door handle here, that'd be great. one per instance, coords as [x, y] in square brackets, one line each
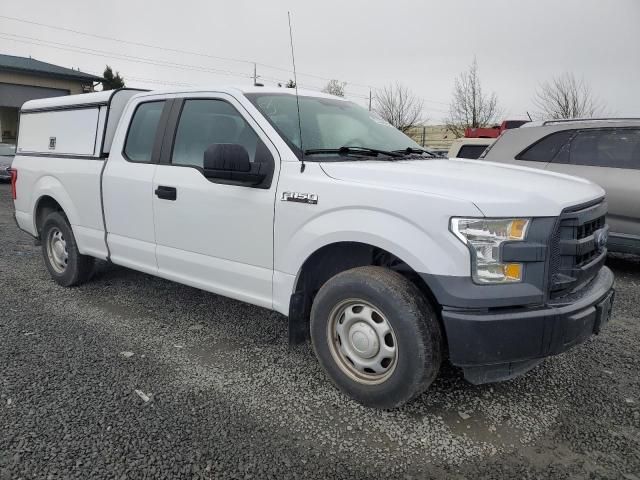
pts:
[166, 193]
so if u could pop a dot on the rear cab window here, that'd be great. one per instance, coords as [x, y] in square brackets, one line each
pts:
[142, 132]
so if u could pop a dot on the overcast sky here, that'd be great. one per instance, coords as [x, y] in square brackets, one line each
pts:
[422, 44]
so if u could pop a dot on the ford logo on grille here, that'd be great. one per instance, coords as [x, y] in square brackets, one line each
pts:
[600, 238]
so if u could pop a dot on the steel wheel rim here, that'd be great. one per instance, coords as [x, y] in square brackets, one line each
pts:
[57, 250]
[362, 341]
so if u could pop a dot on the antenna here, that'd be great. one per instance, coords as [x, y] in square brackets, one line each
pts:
[295, 81]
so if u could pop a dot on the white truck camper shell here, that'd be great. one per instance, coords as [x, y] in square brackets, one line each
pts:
[74, 125]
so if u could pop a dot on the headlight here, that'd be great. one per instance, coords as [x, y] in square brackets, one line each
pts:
[484, 236]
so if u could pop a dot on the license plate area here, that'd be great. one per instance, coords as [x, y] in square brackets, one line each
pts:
[603, 312]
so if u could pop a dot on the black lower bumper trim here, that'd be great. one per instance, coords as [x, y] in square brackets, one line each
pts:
[500, 372]
[511, 336]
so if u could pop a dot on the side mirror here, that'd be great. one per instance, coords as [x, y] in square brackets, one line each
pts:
[228, 161]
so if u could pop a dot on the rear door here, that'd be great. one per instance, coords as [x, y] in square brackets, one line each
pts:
[209, 233]
[127, 186]
[609, 157]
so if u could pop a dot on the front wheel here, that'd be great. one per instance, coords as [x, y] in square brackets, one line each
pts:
[376, 336]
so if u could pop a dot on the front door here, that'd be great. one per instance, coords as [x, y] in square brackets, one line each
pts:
[214, 234]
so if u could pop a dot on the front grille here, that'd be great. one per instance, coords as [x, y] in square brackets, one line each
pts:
[576, 255]
[586, 231]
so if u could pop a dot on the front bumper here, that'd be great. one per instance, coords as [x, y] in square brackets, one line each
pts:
[499, 344]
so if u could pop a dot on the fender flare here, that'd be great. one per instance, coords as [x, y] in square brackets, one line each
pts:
[364, 238]
[49, 186]
[410, 242]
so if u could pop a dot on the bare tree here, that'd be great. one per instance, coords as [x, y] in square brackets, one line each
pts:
[399, 106]
[470, 107]
[335, 87]
[565, 97]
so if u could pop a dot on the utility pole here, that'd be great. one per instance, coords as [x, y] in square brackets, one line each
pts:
[369, 99]
[255, 75]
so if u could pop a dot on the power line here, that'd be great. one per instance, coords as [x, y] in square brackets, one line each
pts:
[146, 60]
[162, 63]
[139, 44]
[119, 56]
[155, 62]
[168, 49]
[200, 54]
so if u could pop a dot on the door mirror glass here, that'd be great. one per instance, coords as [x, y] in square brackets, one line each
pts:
[226, 157]
[229, 161]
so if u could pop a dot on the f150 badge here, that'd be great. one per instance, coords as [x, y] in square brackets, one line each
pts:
[298, 197]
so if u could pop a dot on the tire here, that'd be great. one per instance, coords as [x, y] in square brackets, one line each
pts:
[400, 367]
[60, 251]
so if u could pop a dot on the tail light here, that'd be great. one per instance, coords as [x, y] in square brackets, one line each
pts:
[14, 180]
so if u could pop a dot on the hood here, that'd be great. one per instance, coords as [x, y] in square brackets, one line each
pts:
[498, 190]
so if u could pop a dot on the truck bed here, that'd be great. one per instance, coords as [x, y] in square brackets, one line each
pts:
[61, 151]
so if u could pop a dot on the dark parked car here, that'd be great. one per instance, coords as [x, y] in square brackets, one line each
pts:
[7, 152]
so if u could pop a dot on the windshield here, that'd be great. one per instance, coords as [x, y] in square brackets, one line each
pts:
[328, 124]
[7, 149]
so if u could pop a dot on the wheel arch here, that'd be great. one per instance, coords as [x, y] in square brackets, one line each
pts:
[51, 196]
[331, 259]
[44, 206]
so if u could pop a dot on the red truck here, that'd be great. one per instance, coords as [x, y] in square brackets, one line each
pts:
[495, 131]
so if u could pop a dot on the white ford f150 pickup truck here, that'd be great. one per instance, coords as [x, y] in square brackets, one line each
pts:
[390, 260]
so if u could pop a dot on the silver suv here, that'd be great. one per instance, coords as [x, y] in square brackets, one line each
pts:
[605, 151]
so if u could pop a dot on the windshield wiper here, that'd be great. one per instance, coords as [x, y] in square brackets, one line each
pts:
[373, 152]
[410, 150]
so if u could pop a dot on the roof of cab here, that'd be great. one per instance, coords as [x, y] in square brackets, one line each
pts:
[102, 98]
[242, 89]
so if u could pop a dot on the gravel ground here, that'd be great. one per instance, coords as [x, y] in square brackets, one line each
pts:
[131, 376]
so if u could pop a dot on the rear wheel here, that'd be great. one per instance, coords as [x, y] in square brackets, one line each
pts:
[67, 266]
[376, 336]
